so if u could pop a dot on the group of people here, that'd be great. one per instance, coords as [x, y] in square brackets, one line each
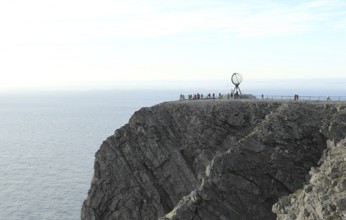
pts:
[198, 96]
[296, 97]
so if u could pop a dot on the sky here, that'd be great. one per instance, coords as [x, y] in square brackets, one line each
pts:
[69, 44]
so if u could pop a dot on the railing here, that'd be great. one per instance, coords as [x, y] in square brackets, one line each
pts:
[305, 98]
[267, 97]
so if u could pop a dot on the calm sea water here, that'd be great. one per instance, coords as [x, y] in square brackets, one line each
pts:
[47, 147]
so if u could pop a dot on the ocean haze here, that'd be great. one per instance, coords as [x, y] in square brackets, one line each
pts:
[262, 83]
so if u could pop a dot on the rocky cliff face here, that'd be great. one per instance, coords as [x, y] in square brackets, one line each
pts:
[213, 160]
[324, 196]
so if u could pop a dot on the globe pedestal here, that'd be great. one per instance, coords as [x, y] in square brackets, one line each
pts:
[236, 80]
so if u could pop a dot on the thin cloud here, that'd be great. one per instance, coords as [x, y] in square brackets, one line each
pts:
[70, 21]
[250, 19]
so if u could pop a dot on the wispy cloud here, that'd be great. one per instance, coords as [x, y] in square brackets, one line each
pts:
[73, 20]
[249, 19]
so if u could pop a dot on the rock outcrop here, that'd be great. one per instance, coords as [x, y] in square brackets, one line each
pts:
[324, 197]
[213, 159]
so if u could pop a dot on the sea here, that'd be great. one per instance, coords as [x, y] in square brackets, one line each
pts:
[47, 145]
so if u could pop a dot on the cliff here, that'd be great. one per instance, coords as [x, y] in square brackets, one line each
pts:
[215, 159]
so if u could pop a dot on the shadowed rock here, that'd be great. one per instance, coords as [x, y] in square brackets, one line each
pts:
[324, 196]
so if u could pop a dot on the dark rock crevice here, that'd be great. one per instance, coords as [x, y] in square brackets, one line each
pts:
[164, 196]
[287, 189]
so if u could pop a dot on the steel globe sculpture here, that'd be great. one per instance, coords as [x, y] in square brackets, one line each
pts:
[236, 80]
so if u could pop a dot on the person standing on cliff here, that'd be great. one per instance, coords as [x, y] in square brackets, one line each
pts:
[236, 95]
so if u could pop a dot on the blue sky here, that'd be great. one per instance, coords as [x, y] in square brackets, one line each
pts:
[70, 44]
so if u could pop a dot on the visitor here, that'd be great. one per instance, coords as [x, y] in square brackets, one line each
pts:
[236, 95]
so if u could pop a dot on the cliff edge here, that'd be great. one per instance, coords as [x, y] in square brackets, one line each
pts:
[219, 159]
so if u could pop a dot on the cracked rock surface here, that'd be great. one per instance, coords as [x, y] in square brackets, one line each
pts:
[324, 196]
[211, 159]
